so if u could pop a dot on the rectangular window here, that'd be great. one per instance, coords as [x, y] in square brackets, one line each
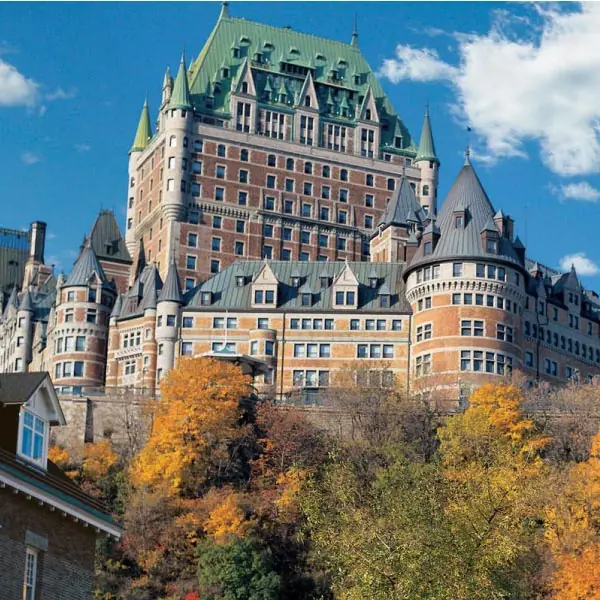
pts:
[190, 262]
[80, 343]
[186, 348]
[457, 269]
[271, 181]
[187, 322]
[192, 240]
[29, 582]
[91, 315]
[33, 434]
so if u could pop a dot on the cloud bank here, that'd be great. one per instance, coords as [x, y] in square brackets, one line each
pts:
[513, 87]
[583, 264]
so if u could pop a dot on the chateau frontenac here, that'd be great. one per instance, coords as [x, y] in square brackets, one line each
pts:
[281, 216]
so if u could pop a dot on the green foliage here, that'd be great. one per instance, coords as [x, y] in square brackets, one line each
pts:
[239, 570]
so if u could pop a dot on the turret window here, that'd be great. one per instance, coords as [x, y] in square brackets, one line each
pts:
[458, 220]
[426, 193]
[70, 296]
[457, 269]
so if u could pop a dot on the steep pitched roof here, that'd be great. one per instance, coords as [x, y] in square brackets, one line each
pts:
[85, 266]
[107, 240]
[152, 286]
[26, 302]
[467, 194]
[17, 388]
[284, 45]
[227, 295]
[426, 145]
[144, 130]
[403, 206]
[171, 291]
[180, 97]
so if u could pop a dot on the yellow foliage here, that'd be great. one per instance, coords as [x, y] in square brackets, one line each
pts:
[578, 575]
[227, 520]
[98, 459]
[59, 456]
[291, 483]
[198, 413]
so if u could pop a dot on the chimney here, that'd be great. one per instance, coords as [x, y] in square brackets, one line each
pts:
[37, 241]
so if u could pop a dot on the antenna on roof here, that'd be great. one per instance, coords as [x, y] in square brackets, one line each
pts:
[354, 41]
[468, 148]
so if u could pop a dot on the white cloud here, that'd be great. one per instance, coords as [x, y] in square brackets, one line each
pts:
[29, 158]
[82, 148]
[15, 88]
[581, 191]
[513, 87]
[417, 65]
[60, 94]
[583, 264]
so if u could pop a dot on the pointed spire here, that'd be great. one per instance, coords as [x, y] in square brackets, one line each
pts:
[171, 291]
[168, 80]
[144, 130]
[26, 302]
[426, 145]
[141, 259]
[467, 162]
[354, 41]
[224, 14]
[116, 311]
[180, 98]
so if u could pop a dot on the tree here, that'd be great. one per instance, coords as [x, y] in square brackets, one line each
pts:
[573, 530]
[196, 423]
[238, 570]
[496, 479]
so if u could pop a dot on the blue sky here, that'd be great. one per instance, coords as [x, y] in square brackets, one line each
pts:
[526, 79]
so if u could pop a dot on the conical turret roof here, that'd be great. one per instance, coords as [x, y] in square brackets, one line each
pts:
[85, 266]
[152, 284]
[171, 291]
[467, 194]
[426, 145]
[403, 207]
[116, 311]
[26, 302]
[144, 130]
[180, 97]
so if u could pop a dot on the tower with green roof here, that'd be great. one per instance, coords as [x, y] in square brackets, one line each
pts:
[274, 128]
[429, 164]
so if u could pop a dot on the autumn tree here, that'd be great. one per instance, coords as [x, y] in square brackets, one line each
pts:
[495, 483]
[573, 530]
[195, 428]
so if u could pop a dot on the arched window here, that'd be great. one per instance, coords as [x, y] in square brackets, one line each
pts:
[425, 190]
[344, 175]
[244, 155]
[369, 180]
[391, 184]
[326, 171]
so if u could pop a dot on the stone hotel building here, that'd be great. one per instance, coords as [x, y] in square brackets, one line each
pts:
[280, 215]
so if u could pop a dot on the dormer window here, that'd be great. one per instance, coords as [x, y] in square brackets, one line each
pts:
[324, 281]
[295, 280]
[345, 298]
[239, 281]
[373, 282]
[459, 221]
[492, 246]
[264, 297]
[205, 298]
[306, 299]
[33, 438]
[427, 248]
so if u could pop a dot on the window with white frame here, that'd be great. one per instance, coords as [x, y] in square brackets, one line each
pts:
[504, 332]
[423, 365]
[424, 332]
[471, 327]
[30, 578]
[33, 437]
[490, 362]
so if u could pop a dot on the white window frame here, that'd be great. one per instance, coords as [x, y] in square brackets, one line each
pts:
[42, 461]
[30, 575]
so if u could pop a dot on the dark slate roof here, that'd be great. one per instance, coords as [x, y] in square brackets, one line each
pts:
[85, 266]
[152, 286]
[468, 194]
[228, 296]
[403, 206]
[171, 291]
[107, 241]
[17, 388]
[116, 311]
[143, 294]
[26, 302]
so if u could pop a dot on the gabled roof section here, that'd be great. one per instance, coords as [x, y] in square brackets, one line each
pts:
[116, 311]
[234, 40]
[346, 276]
[171, 291]
[245, 75]
[265, 275]
[466, 241]
[180, 97]
[308, 89]
[26, 302]
[152, 286]
[227, 295]
[369, 104]
[86, 266]
[144, 130]
[426, 145]
[107, 240]
[403, 207]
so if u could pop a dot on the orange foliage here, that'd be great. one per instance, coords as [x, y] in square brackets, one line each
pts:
[98, 459]
[59, 456]
[228, 520]
[195, 419]
[573, 531]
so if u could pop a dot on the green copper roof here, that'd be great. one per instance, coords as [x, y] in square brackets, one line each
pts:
[144, 130]
[180, 98]
[426, 146]
[286, 57]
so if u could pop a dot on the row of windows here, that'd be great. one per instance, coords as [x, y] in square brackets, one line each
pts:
[311, 324]
[551, 367]
[269, 347]
[310, 378]
[170, 321]
[375, 351]
[70, 343]
[91, 314]
[488, 300]
[376, 324]
[312, 350]
[488, 362]
[585, 351]
[68, 369]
